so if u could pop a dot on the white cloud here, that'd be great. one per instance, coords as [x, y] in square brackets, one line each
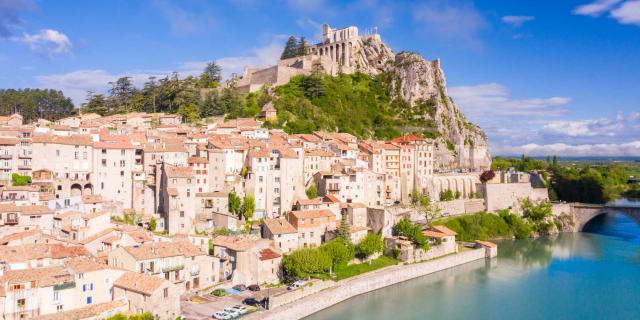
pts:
[460, 22]
[595, 8]
[583, 128]
[630, 149]
[493, 99]
[48, 42]
[517, 21]
[627, 13]
[77, 83]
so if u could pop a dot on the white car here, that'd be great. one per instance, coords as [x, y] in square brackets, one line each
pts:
[221, 315]
[240, 309]
[232, 312]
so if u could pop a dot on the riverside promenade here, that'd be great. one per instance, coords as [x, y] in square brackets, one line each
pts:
[348, 288]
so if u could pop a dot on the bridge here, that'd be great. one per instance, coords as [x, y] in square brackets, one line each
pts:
[583, 213]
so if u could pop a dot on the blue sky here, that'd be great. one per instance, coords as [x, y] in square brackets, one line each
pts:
[539, 76]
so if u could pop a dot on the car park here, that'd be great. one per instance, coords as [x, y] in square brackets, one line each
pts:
[221, 315]
[232, 312]
[254, 287]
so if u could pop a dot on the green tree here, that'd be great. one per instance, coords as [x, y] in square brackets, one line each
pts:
[447, 195]
[345, 228]
[536, 213]
[290, 48]
[413, 232]
[190, 112]
[371, 244]
[213, 72]
[312, 192]
[234, 203]
[19, 180]
[248, 206]
[153, 224]
[303, 45]
[304, 263]
[340, 251]
[423, 204]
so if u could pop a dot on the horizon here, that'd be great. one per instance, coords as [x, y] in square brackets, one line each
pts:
[538, 78]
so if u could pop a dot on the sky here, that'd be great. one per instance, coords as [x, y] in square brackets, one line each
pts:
[540, 77]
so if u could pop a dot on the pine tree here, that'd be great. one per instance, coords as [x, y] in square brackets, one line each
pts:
[303, 45]
[345, 227]
[290, 48]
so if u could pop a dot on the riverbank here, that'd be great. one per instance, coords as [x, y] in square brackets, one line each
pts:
[349, 288]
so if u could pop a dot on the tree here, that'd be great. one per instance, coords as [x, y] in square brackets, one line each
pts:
[555, 161]
[213, 72]
[371, 244]
[345, 228]
[312, 192]
[534, 212]
[340, 251]
[153, 224]
[487, 175]
[313, 86]
[423, 204]
[303, 45]
[248, 206]
[413, 232]
[306, 262]
[290, 48]
[19, 180]
[447, 195]
[190, 112]
[234, 203]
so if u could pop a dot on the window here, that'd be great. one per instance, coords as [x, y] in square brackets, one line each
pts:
[80, 275]
[56, 296]
[122, 173]
[188, 193]
[166, 292]
[122, 152]
[122, 163]
[59, 307]
[21, 302]
[76, 155]
[104, 162]
[89, 300]
[57, 153]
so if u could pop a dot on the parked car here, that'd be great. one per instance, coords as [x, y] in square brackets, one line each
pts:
[240, 309]
[254, 287]
[251, 302]
[296, 285]
[240, 287]
[221, 315]
[219, 292]
[232, 312]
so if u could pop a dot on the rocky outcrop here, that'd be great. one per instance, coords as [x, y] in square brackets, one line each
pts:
[459, 143]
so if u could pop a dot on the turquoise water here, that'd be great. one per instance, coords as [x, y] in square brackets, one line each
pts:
[593, 275]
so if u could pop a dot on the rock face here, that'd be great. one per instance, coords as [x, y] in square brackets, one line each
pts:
[459, 143]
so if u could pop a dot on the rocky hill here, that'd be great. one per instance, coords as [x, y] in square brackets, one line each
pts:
[418, 93]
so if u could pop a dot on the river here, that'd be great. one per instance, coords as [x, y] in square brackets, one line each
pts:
[590, 275]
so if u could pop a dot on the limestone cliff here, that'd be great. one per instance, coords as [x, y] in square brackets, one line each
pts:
[459, 143]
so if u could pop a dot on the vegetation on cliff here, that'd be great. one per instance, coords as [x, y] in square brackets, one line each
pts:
[535, 220]
[357, 103]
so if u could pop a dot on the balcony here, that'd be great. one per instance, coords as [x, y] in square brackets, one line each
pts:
[6, 156]
[65, 285]
[25, 156]
[195, 272]
[173, 268]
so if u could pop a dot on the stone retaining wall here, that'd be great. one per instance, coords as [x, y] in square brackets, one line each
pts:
[351, 287]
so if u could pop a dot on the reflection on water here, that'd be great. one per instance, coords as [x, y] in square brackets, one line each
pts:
[572, 276]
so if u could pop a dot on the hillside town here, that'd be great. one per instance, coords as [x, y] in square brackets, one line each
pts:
[131, 213]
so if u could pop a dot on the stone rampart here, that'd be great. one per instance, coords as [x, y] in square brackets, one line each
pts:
[352, 287]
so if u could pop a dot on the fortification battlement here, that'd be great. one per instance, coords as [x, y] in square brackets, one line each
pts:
[330, 35]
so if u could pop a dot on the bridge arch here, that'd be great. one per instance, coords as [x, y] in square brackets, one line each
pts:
[584, 213]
